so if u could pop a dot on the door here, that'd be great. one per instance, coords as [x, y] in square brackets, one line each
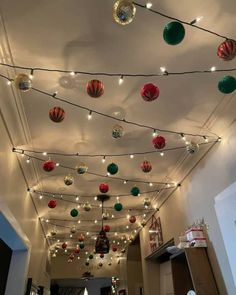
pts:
[166, 282]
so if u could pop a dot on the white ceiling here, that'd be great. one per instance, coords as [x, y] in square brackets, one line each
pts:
[81, 35]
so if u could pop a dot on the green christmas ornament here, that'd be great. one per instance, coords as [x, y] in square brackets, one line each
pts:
[174, 33]
[81, 246]
[227, 84]
[135, 191]
[91, 256]
[74, 212]
[112, 168]
[118, 206]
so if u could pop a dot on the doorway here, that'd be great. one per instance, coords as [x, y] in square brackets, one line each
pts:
[166, 281]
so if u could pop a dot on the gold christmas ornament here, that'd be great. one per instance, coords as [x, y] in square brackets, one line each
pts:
[105, 215]
[23, 82]
[87, 206]
[124, 12]
[143, 222]
[82, 168]
[68, 180]
[73, 230]
[146, 202]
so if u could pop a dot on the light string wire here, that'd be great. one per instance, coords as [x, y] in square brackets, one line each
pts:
[191, 24]
[22, 151]
[101, 175]
[54, 96]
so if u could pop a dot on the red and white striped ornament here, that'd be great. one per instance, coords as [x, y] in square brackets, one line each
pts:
[146, 166]
[57, 114]
[227, 50]
[95, 88]
[149, 92]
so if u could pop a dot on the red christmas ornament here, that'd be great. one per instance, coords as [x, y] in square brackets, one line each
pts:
[48, 165]
[101, 255]
[77, 250]
[81, 238]
[146, 166]
[64, 246]
[104, 188]
[95, 88]
[106, 228]
[57, 114]
[159, 142]
[52, 204]
[132, 219]
[114, 248]
[227, 50]
[149, 92]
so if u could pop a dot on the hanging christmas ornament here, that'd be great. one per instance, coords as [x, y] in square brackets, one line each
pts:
[159, 142]
[146, 166]
[81, 168]
[174, 33]
[132, 219]
[23, 82]
[118, 206]
[117, 131]
[192, 147]
[81, 238]
[146, 202]
[124, 12]
[114, 248]
[102, 245]
[52, 204]
[91, 256]
[73, 230]
[105, 215]
[74, 212]
[72, 256]
[106, 228]
[64, 245]
[143, 222]
[53, 233]
[48, 165]
[131, 238]
[68, 180]
[81, 245]
[149, 92]
[101, 255]
[57, 114]
[227, 50]
[135, 191]
[95, 88]
[112, 168]
[87, 207]
[227, 84]
[104, 188]
[100, 264]
[87, 263]
[77, 250]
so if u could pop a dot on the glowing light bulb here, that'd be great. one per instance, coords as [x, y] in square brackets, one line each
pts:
[90, 115]
[77, 198]
[162, 154]
[45, 153]
[95, 198]
[104, 159]
[131, 156]
[198, 19]
[125, 181]
[9, 82]
[72, 74]
[28, 161]
[95, 221]
[40, 197]
[57, 164]
[213, 69]
[150, 184]
[154, 133]
[149, 5]
[121, 80]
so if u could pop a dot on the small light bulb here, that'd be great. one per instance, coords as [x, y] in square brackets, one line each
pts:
[77, 198]
[95, 221]
[28, 161]
[183, 136]
[121, 80]
[117, 198]
[47, 220]
[44, 153]
[65, 250]
[103, 159]
[95, 198]
[131, 156]
[162, 154]
[150, 184]
[128, 216]
[78, 258]
[125, 242]
[108, 173]
[115, 234]
[57, 164]
[9, 82]
[135, 231]
[127, 226]
[112, 216]
[213, 69]
[199, 18]
[79, 221]
[168, 185]
[40, 197]
[205, 139]
[58, 241]
[78, 206]
[72, 74]
[87, 233]
[90, 115]
[125, 181]
[100, 205]
[154, 133]
[71, 236]
[144, 215]
[149, 5]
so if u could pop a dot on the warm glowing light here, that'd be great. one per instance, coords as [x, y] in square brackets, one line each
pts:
[213, 69]
[149, 5]
[121, 80]
[90, 115]
[131, 156]
[72, 74]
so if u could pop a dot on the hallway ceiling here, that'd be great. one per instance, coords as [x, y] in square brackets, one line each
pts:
[81, 35]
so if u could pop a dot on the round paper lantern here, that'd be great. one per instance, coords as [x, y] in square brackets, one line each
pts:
[174, 33]
[52, 204]
[81, 168]
[81, 238]
[135, 191]
[87, 263]
[64, 246]
[57, 114]
[132, 219]
[112, 168]
[68, 180]
[117, 131]
[227, 84]
[101, 255]
[124, 12]
[81, 246]
[146, 202]
[74, 212]
[73, 230]
[87, 206]
[95, 88]
[114, 248]
[118, 206]
[23, 82]
[104, 188]
[149, 92]
[106, 228]
[77, 250]
[143, 222]
[146, 166]
[48, 165]
[227, 50]
[192, 148]
[105, 215]
[159, 142]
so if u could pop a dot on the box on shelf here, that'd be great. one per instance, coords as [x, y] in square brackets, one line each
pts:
[194, 233]
[198, 242]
